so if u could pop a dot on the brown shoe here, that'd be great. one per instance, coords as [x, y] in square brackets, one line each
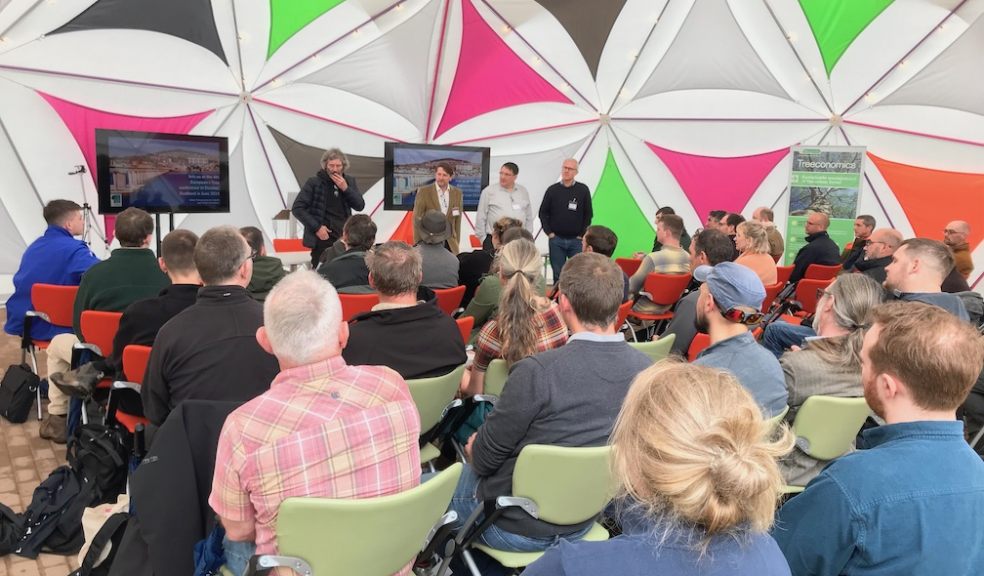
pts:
[79, 382]
[54, 427]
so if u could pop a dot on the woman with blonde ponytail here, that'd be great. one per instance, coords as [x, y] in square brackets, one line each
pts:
[697, 482]
[527, 323]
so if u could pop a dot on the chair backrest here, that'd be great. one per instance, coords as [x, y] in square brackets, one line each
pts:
[99, 328]
[776, 420]
[355, 304]
[822, 272]
[656, 349]
[289, 245]
[495, 377]
[825, 426]
[806, 292]
[665, 289]
[135, 359]
[569, 485]
[783, 273]
[771, 291]
[628, 265]
[56, 302]
[697, 345]
[364, 536]
[432, 395]
[475, 242]
[465, 326]
[449, 299]
[623, 313]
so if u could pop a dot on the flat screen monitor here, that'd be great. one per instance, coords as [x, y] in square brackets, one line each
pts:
[161, 173]
[410, 166]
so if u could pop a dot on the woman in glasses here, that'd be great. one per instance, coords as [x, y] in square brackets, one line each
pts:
[752, 242]
[830, 363]
[695, 468]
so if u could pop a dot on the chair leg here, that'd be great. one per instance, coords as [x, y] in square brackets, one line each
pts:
[977, 438]
[34, 362]
[470, 562]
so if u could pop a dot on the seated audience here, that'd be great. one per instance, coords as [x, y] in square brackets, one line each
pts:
[671, 259]
[415, 338]
[54, 258]
[765, 217]
[709, 248]
[485, 304]
[323, 429]
[143, 319]
[912, 501]
[863, 227]
[439, 264]
[684, 236]
[526, 324]
[603, 240]
[730, 298]
[267, 270]
[348, 273]
[473, 266]
[569, 396]
[819, 248]
[209, 350]
[696, 482]
[131, 273]
[714, 218]
[829, 364]
[752, 242]
[729, 225]
[955, 237]
[878, 250]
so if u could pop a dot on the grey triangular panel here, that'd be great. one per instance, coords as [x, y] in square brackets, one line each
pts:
[391, 70]
[305, 161]
[190, 20]
[954, 79]
[588, 22]
[711, 52]
[11, 243]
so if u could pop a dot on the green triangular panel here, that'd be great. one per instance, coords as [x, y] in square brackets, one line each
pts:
[289, 16]
[615, 208]
[836, 23]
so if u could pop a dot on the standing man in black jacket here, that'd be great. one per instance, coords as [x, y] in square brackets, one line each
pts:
[819, 249]
[565, 213]
[326, 200]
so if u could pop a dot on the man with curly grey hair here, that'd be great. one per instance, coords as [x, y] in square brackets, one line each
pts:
[325, 201]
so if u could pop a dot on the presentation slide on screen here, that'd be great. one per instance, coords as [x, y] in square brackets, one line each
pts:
[161, 173]
[413, 168]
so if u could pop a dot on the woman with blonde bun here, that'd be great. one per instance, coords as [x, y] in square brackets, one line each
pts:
[695, 466]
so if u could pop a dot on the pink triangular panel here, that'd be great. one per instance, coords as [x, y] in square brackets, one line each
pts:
[490, 76]
[82, 122]
[715, 183]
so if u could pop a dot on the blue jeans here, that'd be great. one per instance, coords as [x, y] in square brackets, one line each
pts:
[560, 250]
[237, 555]
[780, 336]
[465, 501]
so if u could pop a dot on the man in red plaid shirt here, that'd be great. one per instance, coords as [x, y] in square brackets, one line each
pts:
[324, 429]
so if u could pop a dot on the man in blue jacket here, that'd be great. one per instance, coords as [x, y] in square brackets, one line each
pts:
[54, 258]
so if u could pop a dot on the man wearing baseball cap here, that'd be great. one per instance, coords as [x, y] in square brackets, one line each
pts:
[730, 299]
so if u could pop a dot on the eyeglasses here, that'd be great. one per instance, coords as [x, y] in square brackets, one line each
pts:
[741, 317]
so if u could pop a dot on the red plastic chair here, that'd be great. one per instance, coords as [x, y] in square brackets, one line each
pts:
[289, 245]
[806, 295]
[664, 290]
[99, 329]
[623, 313]
[697, 345]
[821, 272]
[135, 360]
[475, 242]
[449, 299]
[53, 304]
[628, 265]
[771, 292]
[465, 326]
[783, 273]
[355, 304]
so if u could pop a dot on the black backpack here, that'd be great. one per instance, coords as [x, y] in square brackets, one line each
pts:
[11, 528]
[17, 392]
[100, 454]
[111, 533]
[53, 520]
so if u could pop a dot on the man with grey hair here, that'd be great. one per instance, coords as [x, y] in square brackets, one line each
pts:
[325, 202]
[208, 351]
[390, 334]
[348, 431]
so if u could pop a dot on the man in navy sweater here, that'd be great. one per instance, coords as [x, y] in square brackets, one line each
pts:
[819, 249]
[565, 213]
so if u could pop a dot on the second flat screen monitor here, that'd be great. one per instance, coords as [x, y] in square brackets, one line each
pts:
[410, 166]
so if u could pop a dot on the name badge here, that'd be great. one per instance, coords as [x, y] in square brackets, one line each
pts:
[455, 212]
[516, 206]
[572, 205]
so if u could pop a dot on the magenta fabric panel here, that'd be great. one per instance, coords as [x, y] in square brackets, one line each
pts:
[715, 183]
[490, 76]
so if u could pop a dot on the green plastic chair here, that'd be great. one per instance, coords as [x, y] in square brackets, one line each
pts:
[370, 537]
[432, 396]
[776, 420]
[557, 484]
[826, 426]
[656, 349]
[495, 378]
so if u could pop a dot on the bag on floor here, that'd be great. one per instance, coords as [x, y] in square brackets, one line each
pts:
[11, 527]
[17, 391]
[53, 520]
[100, 454]
[103, 547]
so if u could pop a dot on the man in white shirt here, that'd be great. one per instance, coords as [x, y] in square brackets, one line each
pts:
[507, 198]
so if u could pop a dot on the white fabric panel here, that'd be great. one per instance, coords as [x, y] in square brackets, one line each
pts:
[715, 104]
[18, 197]
[344, 109]
[525, 117]
[545, 34]
[791, 21]
[35, 19]
[892, 207]
[926, 119]
[11, 243]
[402, 56]
[226, 121]
[641, 170]
[448, 62]
[711, 51]
[919, 151]
[722, 139]
[244, 37]
[627, 54]
[953, 80]
[772, 188]
[274, 160]
[535, 141]
[386, 220]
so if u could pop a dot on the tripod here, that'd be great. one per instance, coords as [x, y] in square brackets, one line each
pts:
[89, 217]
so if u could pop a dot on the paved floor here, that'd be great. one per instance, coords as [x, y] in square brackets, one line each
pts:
[26, 459]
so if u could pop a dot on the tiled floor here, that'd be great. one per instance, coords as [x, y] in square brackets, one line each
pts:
[26, 459]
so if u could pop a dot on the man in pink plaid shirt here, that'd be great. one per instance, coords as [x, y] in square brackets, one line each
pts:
[324, 428]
